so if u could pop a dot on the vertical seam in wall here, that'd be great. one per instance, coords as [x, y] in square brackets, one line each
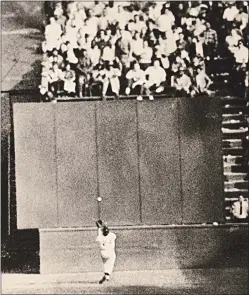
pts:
[138, 163]
[9, 187]
[9, 166]
[56, 163]
[180, 155]
[97, 157]
[12, 165]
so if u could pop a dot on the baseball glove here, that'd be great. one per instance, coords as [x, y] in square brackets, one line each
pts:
[99, 223]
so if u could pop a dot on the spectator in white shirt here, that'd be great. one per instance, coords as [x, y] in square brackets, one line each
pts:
[108, 53]
[122, 17]
[194, 10]
[58, 14]
[91, 24]
[69, 81]
[242, 18]
[152, 13]
[146, 56]
[157, 9]
[138, 24]
[80, 17]
[58, 11]
[103, 21]
[202, 82]
[45, 77]
[71, 57]
[182, 83]
[241, 53]
[131, 27]
[71, 9]
[94, 54]
[112, 75]
[55, 75]
[53, 31]
[136, 80]
[88, 42]
[123, 49]
[98, 8]
[230, 12]
[165, 21]
[137, 46]
[156, 78]
[81, 38]
[199, 46]
[72, 34]
[170, 42]
[232, 40]
[200, 27]
[112, 12]
[162, 52]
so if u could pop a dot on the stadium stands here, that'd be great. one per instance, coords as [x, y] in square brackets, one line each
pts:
[197, 47]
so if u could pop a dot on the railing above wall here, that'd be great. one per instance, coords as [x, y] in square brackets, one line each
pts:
[33, 95]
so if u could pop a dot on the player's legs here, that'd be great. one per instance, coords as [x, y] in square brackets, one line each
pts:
[108, 263]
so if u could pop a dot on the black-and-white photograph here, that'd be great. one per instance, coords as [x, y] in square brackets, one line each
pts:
[124, 147]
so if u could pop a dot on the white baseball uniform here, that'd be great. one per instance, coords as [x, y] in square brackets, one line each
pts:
[107, 250]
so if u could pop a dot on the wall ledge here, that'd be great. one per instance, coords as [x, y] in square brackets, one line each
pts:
[142, 227]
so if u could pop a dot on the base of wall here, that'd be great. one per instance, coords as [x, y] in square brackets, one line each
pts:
[74, 250]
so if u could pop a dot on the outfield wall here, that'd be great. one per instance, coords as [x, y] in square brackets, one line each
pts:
[152, 163]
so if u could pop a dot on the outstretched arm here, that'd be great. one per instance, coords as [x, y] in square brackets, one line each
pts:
[99, 224]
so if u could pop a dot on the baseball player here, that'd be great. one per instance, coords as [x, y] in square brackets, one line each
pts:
[106, 241]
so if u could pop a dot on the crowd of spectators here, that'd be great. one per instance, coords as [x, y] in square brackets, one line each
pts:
[143, 48]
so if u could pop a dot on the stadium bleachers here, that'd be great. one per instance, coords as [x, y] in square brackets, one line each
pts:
[202, 47]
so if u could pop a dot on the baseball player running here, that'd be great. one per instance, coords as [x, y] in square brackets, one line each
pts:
[106, 241]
